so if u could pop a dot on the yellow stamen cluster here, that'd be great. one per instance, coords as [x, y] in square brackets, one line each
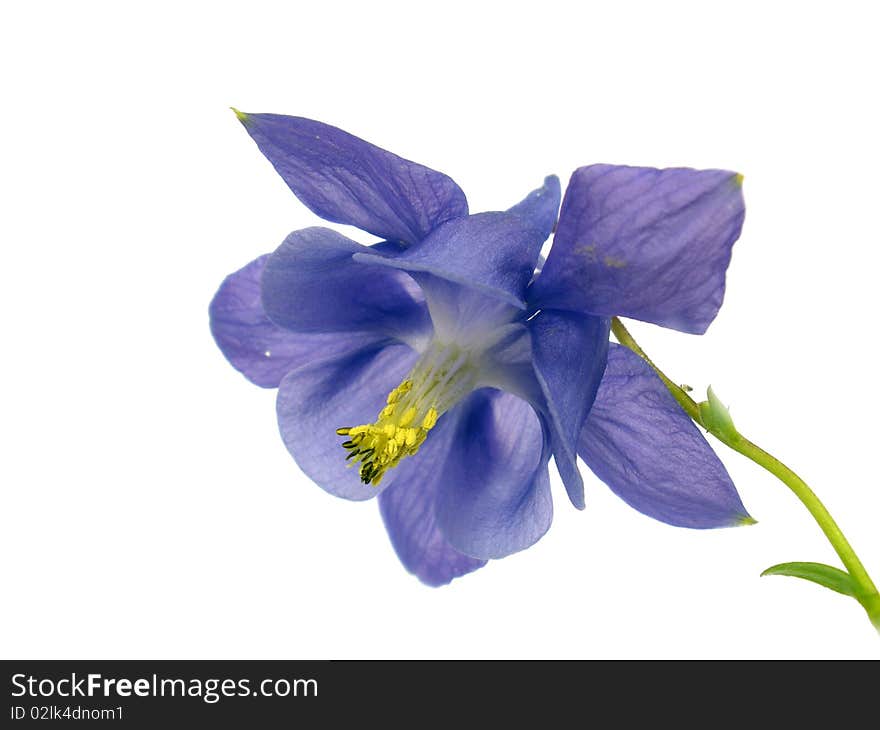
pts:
[399, 430]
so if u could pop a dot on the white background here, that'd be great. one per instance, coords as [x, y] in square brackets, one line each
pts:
[149, 506]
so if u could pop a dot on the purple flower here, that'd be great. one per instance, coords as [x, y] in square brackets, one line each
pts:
[437, 371]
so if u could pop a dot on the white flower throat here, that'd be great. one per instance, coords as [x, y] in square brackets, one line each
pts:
[443, 375]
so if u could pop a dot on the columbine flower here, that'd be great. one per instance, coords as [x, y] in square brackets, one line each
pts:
[437, 371]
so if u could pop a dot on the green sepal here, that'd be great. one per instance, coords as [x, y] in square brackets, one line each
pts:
[716, 418]
[824, 575]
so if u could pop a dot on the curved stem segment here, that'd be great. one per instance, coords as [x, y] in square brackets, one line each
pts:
[867, 594]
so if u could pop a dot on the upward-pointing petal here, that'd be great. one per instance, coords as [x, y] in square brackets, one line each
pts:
[643, 243]
[541, 206]
[346, 180]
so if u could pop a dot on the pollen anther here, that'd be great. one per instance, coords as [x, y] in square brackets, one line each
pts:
[440, 379]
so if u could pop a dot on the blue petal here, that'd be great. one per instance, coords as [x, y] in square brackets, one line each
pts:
[570, 351]
[493, 253]
[311, 284]
[316, 399]
[346, 180]
[408, 512]
[640, 443]
[495, 499]
[261, 350]
[644, 243]
[541, 206]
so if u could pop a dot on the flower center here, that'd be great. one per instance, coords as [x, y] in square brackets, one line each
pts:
[443, 376]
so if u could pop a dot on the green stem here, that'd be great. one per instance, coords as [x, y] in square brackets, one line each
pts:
[684, 400]
[868, 594]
